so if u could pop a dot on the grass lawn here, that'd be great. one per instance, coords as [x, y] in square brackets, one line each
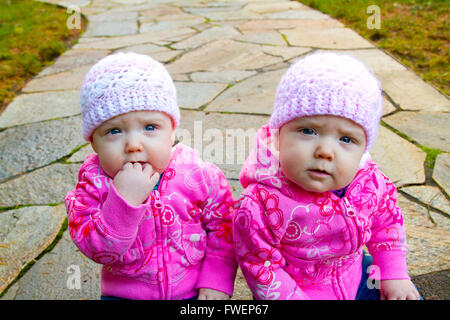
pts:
[32, 35]
[416, 32]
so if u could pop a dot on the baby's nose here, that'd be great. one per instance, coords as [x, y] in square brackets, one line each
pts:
[133, 144]
[324, 151]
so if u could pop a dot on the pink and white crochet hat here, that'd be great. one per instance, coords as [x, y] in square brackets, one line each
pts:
[124, 82]
[326, 83]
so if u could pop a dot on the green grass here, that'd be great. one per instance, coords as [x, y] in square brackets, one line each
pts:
[416, 32]
[32, 35]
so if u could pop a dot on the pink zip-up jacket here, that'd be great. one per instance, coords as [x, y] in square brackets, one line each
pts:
[295, 244]
[177, 241]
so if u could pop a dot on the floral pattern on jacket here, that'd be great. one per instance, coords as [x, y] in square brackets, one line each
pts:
[295, 244]
[177, 241]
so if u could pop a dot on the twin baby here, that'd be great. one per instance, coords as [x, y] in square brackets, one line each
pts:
[164, 224]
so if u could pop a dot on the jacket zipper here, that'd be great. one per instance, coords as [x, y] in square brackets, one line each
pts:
[162, 276]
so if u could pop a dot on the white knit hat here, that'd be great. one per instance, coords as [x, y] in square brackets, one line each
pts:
[125, 82]
[326, 83]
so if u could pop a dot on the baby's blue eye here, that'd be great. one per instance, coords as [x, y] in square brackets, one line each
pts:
[149, 127]
[114, 131]
[307, 131]
[346, 139]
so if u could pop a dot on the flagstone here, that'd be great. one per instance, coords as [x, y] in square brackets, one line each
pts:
[428, 244]
[268, 38]
[164, 12]
[297, 15]
[146, 26]
[328, 38]
[431, 196]
[157, 37]
[193, 95]
[24, 234]
[58, 179]
[222, 139]
[67, 80]
[411, 92]
[73, 59]
[441, 172]
[50, 277]
[215, 33]
[159, 53]
[253, 95]
[227, 76]
[34, 107]
[388, 107]
[111, 28]
[286, 53]
[223, 55]
[430, 129]
[113, 16]
[288, 24]
[81, 154]
[35, 145]
[272, 7]
[225, 14]
[399, 159]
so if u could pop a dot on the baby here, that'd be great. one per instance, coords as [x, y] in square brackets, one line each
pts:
[313, 197]
[155, 216]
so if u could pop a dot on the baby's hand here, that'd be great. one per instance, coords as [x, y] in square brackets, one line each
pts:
[135, 182]
[210, 294]
[398, 290]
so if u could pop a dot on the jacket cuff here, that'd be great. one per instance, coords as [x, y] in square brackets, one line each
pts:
[391, 264]
[217, 274]
[121, 218]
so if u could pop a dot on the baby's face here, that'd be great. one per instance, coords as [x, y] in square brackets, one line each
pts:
[138, 136]
[321, 153]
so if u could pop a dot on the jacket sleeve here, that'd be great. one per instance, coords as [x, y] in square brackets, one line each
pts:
[101, 223]
[219, 265]
[387, 244]
[257, 245]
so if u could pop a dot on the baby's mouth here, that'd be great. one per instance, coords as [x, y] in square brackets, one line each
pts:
[319, 172]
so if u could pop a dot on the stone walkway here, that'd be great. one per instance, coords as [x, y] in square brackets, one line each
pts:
[226, 58]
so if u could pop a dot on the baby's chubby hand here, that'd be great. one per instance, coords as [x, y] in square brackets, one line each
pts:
[398, 290]
[135, 182]
[210, 294]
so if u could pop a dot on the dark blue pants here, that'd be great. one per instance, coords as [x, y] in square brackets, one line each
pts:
[364, 292]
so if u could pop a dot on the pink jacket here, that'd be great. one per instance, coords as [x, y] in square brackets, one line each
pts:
[179, 240]
[294, 244]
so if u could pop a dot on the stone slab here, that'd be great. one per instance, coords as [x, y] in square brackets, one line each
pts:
[288, 24]
[434, 285]
[274, 6]
[193, 95]
[253, 95]
[412, 93]
[297, 15]
[286, 53]
[28, 188]
[68, 80]
[111, 28]
[35, 145]
[50, 277]
[215, 33]
[81, 154]
[441, 172]
[266, 37]
[230, 76]
[326, 38]
[126, 41]
[428, 244]
[24, 234]
[430, 196]
[430, 129]
[147, 26]
[73, 59]
[222, 139]
[165, 12]
[113, 16]
[399, 159]
[223, 55]
[34, 107]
